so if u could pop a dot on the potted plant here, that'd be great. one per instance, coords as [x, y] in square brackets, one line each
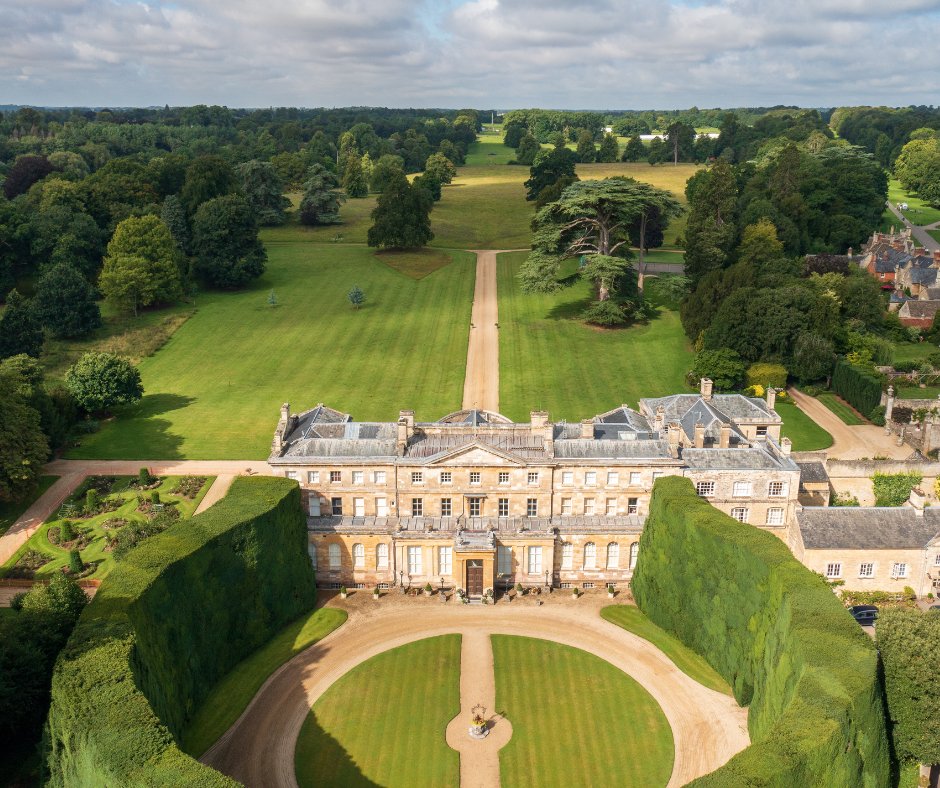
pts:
[428, 589]
[520, 589]
[610, 592]
[376, 593]
[343, 593]
[575, 593]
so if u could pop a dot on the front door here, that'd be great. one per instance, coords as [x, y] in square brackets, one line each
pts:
[474, 577]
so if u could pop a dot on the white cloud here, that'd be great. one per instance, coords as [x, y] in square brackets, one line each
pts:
[503, 53]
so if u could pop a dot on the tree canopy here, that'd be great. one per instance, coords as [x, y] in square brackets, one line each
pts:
[228, 251]
[322, 197]
[65, 302]
[102, 381]
[401, 218]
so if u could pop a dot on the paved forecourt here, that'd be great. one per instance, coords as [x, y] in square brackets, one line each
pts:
[708, 727]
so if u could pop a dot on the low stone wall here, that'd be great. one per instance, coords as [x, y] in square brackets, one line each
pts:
[857, 469]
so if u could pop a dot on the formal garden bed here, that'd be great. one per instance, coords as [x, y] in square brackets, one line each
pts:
[104, 518]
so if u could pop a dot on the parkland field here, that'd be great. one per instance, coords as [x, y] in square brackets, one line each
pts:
[216, 372]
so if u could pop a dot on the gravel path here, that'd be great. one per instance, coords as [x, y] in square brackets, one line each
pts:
[258, 750]
[481, 381]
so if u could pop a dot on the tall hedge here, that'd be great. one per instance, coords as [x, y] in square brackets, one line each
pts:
[776, 632]
[857, 387]
[173, 618]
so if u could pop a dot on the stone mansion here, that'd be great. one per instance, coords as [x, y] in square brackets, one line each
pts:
[477, 501]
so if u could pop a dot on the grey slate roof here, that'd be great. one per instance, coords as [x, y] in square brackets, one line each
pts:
[474, 417]
[518, 441]
[586, 448]
[867, 528]
[813, 472]
[736, 460]
[924, 276]
[734, 406]
[919, 308]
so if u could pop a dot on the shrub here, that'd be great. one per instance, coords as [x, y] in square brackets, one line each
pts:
[776, 632]
[767, 375]
[144, 478]
[171, 619]
[877, 416]
[811, 391]
[189, 486]
[155, 497]
[92, 501]
[893, 489]
[861, 390]
[75, 562]
[66, 531]
[604, 313]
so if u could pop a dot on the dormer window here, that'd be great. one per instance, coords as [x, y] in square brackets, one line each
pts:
[761, 432]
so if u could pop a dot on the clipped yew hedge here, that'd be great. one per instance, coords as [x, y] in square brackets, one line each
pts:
[857, 387]
[170, 621]
[778, 635]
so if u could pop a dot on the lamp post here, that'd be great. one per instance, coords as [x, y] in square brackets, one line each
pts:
[546, 578]
[442, 585]
[401, 578]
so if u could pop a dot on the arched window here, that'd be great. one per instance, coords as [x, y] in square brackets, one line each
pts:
[381, 556]
[590, 556]
[567, 555]
[613, 555]
[634, 551]
[359, 556]
[334, 556]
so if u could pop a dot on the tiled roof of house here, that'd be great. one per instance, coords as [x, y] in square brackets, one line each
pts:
[919, 309]
[813, 472]
[757, 459]
[867, 528]
[923, 276]
[586, 448]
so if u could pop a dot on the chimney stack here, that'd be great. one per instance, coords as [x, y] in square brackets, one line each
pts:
[674, 435]
[917, 501]
[587, 429]
[919, 251]
[936, 256]
[724, 438]
[705, 386]
[771, 397]
[660, 423]
[786, 446]
[699, 435]
[285, 412]
[406, 429]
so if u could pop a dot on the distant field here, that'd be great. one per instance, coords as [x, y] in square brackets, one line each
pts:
[919, 212]
[213, 391]
[550, 360]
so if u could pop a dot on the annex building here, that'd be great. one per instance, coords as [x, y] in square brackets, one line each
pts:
[479, 502]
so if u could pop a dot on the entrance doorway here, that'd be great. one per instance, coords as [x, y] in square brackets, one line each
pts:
[474, 577]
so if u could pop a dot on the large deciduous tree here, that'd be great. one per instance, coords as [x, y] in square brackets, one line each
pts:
[65, 302]
[207, 178]
[23, 446]
[322, 197]
[20, 329]
[384, 171]
[355, 183]
[26, 171]
[549, 167]
[225, 242]
[102, 381]
[439, 167]
[711, 229]
[264, 190]
[402, 216]
[527, 150]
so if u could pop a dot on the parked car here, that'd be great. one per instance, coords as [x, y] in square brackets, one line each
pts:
[866, 615]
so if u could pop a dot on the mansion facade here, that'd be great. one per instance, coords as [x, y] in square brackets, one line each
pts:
[479, 502]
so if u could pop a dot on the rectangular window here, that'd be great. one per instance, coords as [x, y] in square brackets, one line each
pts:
[633, 505]
[636, 478]
[337, 504]
[775, 516]
[476, 506]
[313, 477]
[359, 507]
[381, 506]
[504, 477]
[336, 477]
[775, 489]
[417, 477]
[444, 560]
[936, 560]
[898, 570]
[590, 478]
[761, 432]
[611, 509]
[447, 477]
[705, 489]
[474, 477]
[379, 477]
[740, 514]
[381, 556]
[503, 507]
[613, 477]
[833, 571]
[291, 474]
[447, 508]
[535, 560]
[414, 560]
[589, 506]
[532, 507]
[657, 475]
[741, 490]
[504, 560]
[417, 507]
[533, 477]
[567, 555]
[566, 507]
[357, 477]
[567, 478]
[866, 570]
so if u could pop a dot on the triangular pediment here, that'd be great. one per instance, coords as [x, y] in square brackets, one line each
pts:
[477, 454]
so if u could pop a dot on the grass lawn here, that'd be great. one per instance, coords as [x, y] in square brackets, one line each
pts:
[916, 392]
[632, 619]
[214, 390]
[93, 536]
[842, 409]
[805, 433]
[383, 722]
[912, 351]
[935, 234]
[576, 719]
[231, 696]
[550, 360]
[11, 512]
[918, 212]
[356, 220]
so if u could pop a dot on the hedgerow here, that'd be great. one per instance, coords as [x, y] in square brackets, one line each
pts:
[173, 618]
[777, 634]
[860, 389]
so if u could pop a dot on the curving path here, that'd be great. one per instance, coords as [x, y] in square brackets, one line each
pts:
[258, 750]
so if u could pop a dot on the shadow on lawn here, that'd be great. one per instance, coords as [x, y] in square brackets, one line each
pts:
[138, 433]
[333, 766]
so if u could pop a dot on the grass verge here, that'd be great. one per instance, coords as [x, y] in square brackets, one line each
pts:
[576, 719]
[631, 618]
[231, 696]
[805, 434]
[841, 408]
[383, 722]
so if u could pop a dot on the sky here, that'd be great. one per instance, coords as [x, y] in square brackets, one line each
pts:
[502, 54]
